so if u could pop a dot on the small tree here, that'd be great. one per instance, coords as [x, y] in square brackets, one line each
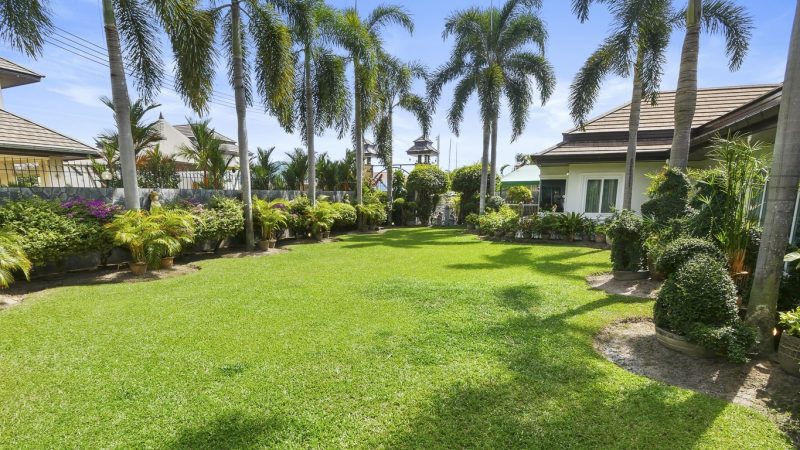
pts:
[427, 182]
[519, 194]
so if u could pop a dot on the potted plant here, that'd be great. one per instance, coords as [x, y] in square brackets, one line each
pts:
[321, 218]
[272, 219]
[571, 225]
[549, 225]
[178, 231]
[789, 347]
[600, 233]
[471, 221]
[136, 231]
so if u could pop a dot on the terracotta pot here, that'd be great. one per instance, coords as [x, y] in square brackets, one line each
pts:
[789, 354]
[680, 344]
[138, 269]
[600, 238]
[167, 262]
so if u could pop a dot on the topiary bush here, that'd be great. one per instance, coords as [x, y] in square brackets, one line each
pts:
[427, 182]
[627, 248]
[345, 215]
[678, 252]
[699, 301]
[669, 196]
[494, 203]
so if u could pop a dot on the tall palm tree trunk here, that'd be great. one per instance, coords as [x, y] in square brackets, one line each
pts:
[686, 93]
[359, 139]
[633, 135]
[487, 130]
[122, 107]
[389, 169]
[491, 183]
[312, 157]
[241, 111]
[781, 195]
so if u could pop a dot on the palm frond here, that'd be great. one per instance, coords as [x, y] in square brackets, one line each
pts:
[141, 46]
[24, 24]
[733, 21]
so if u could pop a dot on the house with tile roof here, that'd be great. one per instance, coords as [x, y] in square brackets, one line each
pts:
[33, 154]
[585, 171]
[175, 137]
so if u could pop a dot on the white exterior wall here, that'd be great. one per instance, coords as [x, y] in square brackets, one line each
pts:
[578, 174]
[173, 140]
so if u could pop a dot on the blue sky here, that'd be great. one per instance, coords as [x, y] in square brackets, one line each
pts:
[67, 98]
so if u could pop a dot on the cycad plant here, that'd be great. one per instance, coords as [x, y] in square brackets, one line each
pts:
[361, 38]
[714, 17]
[492, 56]
[637, 47]
[12, 258]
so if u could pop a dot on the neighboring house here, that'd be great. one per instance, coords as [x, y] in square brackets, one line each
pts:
[32, 154]
[175, 137]
[424, 151]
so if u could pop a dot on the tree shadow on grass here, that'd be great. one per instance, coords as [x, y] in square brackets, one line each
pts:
[234, 430]
[560, 392]
[408, 238]
[564, 263]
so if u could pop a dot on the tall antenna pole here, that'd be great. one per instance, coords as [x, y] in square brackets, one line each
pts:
[449, 151]
[456, 153]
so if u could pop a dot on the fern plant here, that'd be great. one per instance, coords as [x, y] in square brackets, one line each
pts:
[12, 258]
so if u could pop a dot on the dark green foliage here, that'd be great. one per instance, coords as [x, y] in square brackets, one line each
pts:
[344, 216]
[222, 218]
[399, 184]
[680, 251]
[157, 171]
[699, 301]
[669, 196]
[519, 194]
[789, 297]
[627, 248]
[427, 182]
[50, 233]
[466, 180]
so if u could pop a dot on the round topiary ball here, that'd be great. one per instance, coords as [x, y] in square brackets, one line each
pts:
[699, 292]
[679, 251]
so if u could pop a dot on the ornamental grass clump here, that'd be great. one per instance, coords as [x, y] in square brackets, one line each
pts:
[12, 258]
[698, 301]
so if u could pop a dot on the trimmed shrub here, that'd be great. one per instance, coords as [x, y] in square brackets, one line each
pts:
[699, 301]
[519, 194]
[669, 196]
[627, 249]
[345, 215]
[427, 182]
[222, 218]
[680, 251]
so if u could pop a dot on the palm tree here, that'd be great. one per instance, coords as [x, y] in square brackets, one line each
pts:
[322, 95]
[781, 195]
[145, 134]
[258, 49]
[264, 168]
[394, 86]
[131, 37]
[636, 45]
[296, 170]
[713, 16]
[207, 155]
[361, 38]
[326, 172]
[491, 58]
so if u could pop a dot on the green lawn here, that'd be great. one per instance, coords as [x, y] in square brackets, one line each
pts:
[411, 339]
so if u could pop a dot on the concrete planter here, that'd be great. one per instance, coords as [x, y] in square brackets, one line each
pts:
[138, 269]
[263, 245]
[789, 354]
[625, 275]
[167, 262]
[680, 344]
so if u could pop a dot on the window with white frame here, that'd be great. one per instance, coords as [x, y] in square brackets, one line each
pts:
[601, 195]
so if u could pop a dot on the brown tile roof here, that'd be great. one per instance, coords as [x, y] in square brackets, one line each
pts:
[20, 136]
[12, 74]
[711, 104]
[606, 137]
[186, 129]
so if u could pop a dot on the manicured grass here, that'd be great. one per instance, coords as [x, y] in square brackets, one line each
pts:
[412, 339]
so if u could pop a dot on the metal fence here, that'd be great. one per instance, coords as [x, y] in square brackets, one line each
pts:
[57, 173]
